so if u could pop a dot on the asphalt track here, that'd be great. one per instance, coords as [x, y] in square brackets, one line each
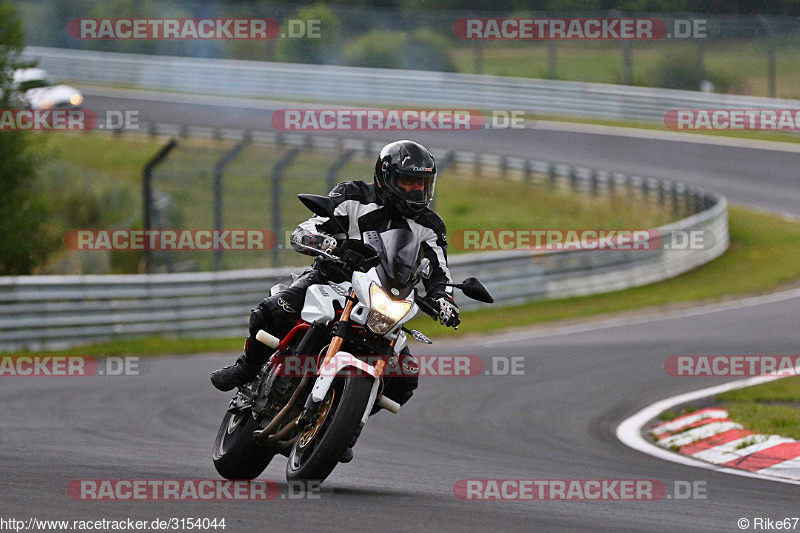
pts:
[764, 178]
[557, 421]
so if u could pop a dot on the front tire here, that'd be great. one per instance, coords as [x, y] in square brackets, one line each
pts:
[320, 457]
[236, 454]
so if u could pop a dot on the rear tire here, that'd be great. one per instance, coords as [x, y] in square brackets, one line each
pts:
[236, 454]
[318, 460]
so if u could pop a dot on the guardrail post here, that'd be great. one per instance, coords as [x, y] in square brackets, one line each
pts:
[573, 179]
[772, 52]
[219, 168]
[552, 59]
[627, 62]
[674, 196]
[593, 182]
[446, 162]
[646, 190]
[627, 183]
[147, 196]
[551, 173]
[701, 63]
[687, 200]
[277, 174]
[526, 171]
[333, 170]
[478, 47]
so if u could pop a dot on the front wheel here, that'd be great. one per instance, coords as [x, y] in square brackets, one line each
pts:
[236, 454]
[316, 451]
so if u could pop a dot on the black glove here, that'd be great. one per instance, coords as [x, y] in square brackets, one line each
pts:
[448, 312]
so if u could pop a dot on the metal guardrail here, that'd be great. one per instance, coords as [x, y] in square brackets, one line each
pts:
[355, 85]
[58, 311]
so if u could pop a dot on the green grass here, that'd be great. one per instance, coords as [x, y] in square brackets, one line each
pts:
[785, 390]
[102, 176]
[768, 419]
[771, 408]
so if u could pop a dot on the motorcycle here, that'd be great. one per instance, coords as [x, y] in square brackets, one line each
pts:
[352, 331]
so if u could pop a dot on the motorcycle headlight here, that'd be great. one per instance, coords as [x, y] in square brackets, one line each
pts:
[384, 312]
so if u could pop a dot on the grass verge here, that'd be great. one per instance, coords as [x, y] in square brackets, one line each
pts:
[771, 408]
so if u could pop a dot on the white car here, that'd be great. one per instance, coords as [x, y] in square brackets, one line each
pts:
[41, 93]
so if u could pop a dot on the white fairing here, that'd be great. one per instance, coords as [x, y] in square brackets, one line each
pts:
[361, 283]
[340, 361]
[318, 306]
[402, 341]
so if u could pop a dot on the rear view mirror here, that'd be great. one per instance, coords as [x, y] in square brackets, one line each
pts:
[472, 288]
[319, 205]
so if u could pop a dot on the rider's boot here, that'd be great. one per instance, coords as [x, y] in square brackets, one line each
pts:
[245, 369]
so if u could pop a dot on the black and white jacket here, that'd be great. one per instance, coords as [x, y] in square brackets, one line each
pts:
[359, 209]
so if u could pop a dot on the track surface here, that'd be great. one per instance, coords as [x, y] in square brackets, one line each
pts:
[555, 422]
[764, 178]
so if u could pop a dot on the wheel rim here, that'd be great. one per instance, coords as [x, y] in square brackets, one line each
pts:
[307, 437]
[228, 437]
[298, 457]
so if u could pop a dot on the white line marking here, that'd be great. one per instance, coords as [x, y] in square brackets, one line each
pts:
[684, 421]
[728, 452]
[616, 322]
[698, 433]
[790, 468]
[628, 432]
[669, 136]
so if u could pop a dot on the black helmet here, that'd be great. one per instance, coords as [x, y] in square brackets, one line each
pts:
[405, 177]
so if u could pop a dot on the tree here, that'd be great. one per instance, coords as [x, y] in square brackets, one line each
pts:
[24, 239]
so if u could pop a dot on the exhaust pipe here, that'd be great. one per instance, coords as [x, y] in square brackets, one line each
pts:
[390, 405]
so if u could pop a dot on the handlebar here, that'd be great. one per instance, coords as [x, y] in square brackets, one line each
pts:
[319, 252]
[427, 306]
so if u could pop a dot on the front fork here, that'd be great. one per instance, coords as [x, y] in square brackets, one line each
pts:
[323, 382]
[269, 436]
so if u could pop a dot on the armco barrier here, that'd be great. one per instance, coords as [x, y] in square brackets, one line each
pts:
[58, 311]
[360, 86]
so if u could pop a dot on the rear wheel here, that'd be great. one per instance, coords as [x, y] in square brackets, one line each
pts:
[236, 454]
[317, 450]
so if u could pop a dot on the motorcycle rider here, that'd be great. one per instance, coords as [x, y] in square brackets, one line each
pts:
[402, 189]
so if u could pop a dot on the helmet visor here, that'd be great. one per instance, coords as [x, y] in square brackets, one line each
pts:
[416, 188]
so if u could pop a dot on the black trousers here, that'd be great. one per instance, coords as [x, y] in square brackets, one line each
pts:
[278, 314]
